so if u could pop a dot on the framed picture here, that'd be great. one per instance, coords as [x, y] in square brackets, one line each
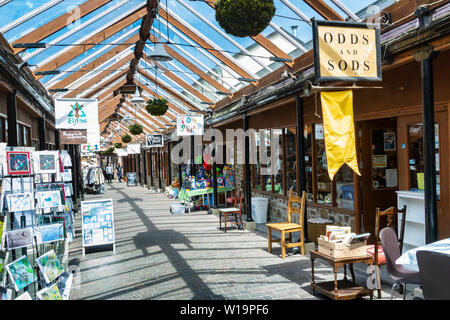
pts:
[389, 141]
[50, 233]
[49, 199]
[97, 222]
[49, 293]
[49, 266]
[21, 273]
[18, 162]
[20, 202]
[24, 296]
[19, 238]
[46, 161]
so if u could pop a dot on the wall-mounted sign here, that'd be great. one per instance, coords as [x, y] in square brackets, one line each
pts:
[190, 125]
[79, 114]
[346, 51]
[73, 136]
[154, 140]
[85, 148]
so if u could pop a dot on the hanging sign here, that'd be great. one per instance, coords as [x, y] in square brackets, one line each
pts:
[86, 148]
[73, 136]
[154, 140]
[346, 51]
[190, 125]
[133, 148]
[79, 114]
[97, 222]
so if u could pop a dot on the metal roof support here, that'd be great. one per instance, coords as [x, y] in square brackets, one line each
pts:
[341, 6]
[90, 35]
[223, 56]
[202, 51]
[226, 36]
[289, 38]
[29, 15]
[29, 55]
[92, 55]
[297, 11]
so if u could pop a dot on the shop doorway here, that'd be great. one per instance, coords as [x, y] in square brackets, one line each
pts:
[379, 168]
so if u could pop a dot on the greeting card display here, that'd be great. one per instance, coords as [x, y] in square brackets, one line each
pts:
[5, 294]
[19, 238]
[65, 158]
[49, 293]
[49, 266]
[50, 233]
[97, 222]
[20, 202]
[21, 273]
[46, 161]
[22, 185]
[18, 162]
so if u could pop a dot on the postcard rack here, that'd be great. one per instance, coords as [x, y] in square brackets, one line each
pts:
[36, 223]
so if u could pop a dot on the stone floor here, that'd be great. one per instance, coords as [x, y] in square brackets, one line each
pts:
[164, 256]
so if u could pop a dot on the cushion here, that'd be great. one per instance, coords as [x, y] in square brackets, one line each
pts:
[371, 250]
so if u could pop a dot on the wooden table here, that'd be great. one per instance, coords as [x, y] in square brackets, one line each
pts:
[340, 289]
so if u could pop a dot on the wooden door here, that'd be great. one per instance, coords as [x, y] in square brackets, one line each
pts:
[379, 168]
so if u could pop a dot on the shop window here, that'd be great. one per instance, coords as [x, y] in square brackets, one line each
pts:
[278, 169]
[344, 188]
[323, 179]
[416, 160]
[291, 159]
[2, 130]
[309, 162]
[384, 159]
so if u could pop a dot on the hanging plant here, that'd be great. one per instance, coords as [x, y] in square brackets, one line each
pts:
[157, 107]
[126, 138]
[244, 18]
[108, 152]
[136, 129]
[118, 145]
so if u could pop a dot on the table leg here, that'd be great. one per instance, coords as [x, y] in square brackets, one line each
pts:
[352, 273]
[335, 280]
[269, 237]
[225, 216]
[312, 276]
[189, 205]
[345, 272]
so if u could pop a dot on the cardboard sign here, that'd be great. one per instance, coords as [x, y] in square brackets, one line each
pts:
[190, 125]
[346, 51]
[131, 179]
[154, 140]
[73, 136]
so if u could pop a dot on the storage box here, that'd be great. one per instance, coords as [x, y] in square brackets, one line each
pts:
[178, 208]
[340, 250]
[317, 227]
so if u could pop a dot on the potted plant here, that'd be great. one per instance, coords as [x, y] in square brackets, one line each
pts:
[157, 106]
[118, 145]
[244, 18]
[126, 138]
[136, 129]
[108, 152]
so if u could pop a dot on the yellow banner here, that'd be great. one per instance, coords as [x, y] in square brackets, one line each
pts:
[339, 128]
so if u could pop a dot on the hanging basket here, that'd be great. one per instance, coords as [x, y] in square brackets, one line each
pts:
[136, 129]
[244, 18]
[108, 152]
[126, 138]
[157, 107]
[118, 145]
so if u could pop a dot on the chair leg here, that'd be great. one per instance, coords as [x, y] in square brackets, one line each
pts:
[269, 238]
[377, 268]
[392, 290]
[220, 220]
[283, 244]
[242, 224]
[225, 217]
[404, 291]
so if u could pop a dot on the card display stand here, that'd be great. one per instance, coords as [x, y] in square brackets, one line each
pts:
[36, 218]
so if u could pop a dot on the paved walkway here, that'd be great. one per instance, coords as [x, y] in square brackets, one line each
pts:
[164, 256]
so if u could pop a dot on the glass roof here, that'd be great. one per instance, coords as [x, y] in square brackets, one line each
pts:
[223, 67]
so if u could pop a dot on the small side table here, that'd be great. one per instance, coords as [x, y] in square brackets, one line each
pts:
[340, 289]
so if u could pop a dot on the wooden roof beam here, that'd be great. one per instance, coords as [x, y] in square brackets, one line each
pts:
[163, 13]
[59, 23]
[266, 44]
[324, 10]
[90, 43]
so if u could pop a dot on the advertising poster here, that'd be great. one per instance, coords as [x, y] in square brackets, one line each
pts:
[97, 222]
[131, 179]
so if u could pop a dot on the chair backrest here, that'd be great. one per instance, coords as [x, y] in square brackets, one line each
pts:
[391, 249]
[293, 210]
[392, 219]
[238, 197]
[434, 270]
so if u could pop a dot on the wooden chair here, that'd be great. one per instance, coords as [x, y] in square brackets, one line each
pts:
[376, 250]
[236, 212]
[289, 227]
